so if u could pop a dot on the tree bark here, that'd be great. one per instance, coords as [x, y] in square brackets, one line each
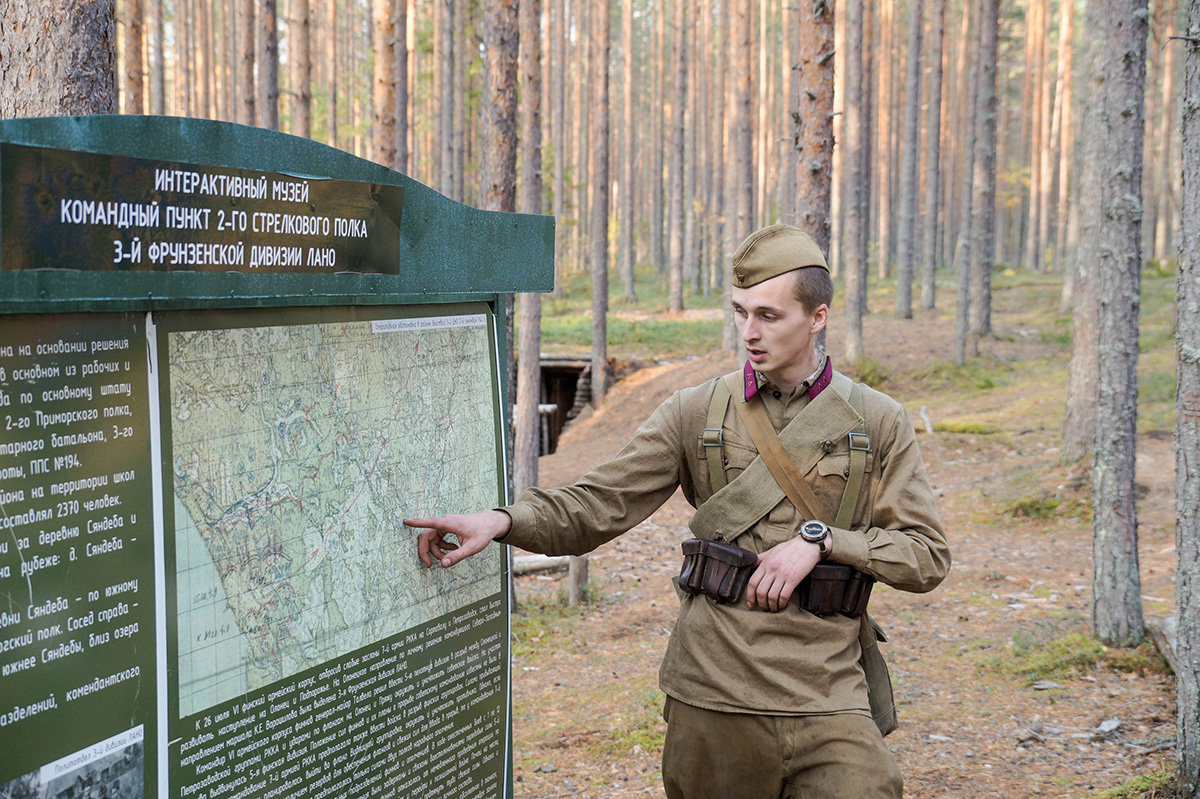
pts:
[983, 204]
[384, 97]
[883, 150]
[1116, 586]
[812, 119]
[526, 445]
[444, 95]
[247, 88]
[910, 160]
[1187, 430]
[558, 93]
[331, 61]
[658, 249]
[58, 58]
[743, 118]
[966, 219]
[1061, 132]
[854, 251]
[1161, 199]
[401, 80]
[726, 57]
[134, 87]
[599, 225]
[269, 68]
[675, 170]
[930, 248]
[625, 257]
[300, 31]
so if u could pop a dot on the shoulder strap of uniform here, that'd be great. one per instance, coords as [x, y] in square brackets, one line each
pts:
[860, 445]
[713, 437]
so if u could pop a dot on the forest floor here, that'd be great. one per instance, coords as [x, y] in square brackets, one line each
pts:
[1001, 690]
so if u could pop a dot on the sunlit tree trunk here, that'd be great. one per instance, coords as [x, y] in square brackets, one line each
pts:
[983, 205]
[675, 170]
[881, 156]
[558, 108]
[58, 69]
[910, 161]
[962, 257]
[599, 226]
[930, 243]
[1116, 585]
[383, 131]
[1187, 430]
[247, 89]
[854, 250]
[658, 249]
[526, 445]
[331, 62]
[401, 79]
[133, 86]
[625, 257]
[812, 120]
[269, 66]
[1161, 199]
[300, 63]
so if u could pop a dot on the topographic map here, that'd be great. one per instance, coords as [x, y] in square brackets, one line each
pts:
[297, 451]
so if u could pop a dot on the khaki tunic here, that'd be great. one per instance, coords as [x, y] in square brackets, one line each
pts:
[728, 657]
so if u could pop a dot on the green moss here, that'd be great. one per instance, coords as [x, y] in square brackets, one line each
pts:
[868, 370]
[1036, 506]
[1160, 785]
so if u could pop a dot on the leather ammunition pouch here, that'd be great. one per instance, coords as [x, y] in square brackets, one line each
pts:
[721, 571]
[835, 588]
[716, 569]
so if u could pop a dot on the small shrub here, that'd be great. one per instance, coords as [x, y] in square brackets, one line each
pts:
[1146, 786]
[868, 370]
[1037, 506]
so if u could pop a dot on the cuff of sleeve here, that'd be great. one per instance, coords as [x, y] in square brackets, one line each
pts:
[523, 519]
[849, 547]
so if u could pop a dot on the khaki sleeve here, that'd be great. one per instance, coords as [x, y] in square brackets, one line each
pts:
[608, 500]
[904, 544]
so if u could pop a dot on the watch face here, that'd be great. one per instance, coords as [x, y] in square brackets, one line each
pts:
[814, 530]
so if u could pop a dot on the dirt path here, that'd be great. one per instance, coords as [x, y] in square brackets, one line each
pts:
[981, 714]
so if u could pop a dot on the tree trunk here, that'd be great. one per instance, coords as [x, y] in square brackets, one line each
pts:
[1187, 430]
[331, 61]
[500, 47]
[401, 79]
[558, 93]
[911, 159]
[247, 88]
[743, 118]
[658, 250]
[134, 86]
[930, 248]
[1046, 153]
[458, 140]
[158, 61]
[1116, 586]
[675, 170]
[444, 46]
[625, 256]
[812, 120]
[1060, 129]
[853, 105]
[58, 58]
[883, 149]
[1163, 245]
[599, 225]
[965, 240]
[269, 67]
[866, 169]
[526, 446]
[300, 31]
[384, 97]
[983, 205]
[1033, 77]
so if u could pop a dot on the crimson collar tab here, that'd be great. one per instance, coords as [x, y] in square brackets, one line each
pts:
[750, 381]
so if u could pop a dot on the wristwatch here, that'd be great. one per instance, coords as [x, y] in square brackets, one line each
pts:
[816, 532]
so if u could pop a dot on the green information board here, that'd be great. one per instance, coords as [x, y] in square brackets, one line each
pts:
[231, 363]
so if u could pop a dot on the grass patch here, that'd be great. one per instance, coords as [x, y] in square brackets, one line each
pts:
[1145, 786]
[974, 375]
[639, 725]
[647, 338]
[867, 370]
[1035, 506]
[964, 426]
[1034, 658]
[546, 623]
[1059, 332]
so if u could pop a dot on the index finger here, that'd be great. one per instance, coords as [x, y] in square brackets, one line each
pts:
[427, 523]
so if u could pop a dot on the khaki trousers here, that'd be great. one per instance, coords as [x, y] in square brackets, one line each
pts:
[713, 755]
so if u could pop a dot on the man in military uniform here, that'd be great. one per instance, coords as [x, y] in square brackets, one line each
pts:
[764, 698]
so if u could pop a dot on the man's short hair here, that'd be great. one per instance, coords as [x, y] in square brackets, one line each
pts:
[814, 287]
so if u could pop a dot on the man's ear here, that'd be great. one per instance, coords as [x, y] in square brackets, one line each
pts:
[820, 317]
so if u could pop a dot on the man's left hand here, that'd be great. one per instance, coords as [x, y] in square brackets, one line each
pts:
[780, 570]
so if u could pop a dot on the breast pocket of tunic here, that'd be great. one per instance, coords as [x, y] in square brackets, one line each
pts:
[832, 472]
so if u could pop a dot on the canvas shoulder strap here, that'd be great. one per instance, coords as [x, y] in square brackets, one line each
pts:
[749, 495]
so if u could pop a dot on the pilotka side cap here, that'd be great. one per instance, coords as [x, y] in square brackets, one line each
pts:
[773, 251]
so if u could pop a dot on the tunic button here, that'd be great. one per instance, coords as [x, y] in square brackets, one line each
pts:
[827, 445]
[778, 394]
